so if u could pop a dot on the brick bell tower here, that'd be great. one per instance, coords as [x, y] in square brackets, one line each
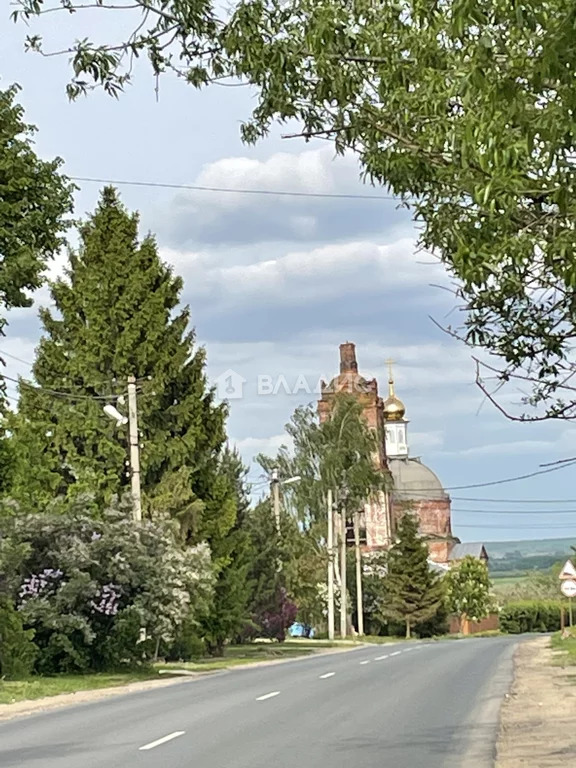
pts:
[376, 519]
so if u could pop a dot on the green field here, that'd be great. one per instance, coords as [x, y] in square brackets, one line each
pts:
[531, 548]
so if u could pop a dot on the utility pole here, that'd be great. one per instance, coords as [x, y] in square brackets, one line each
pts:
[343, 601]
[134, 448]
[275, 483]
[330, 543]
[359, 598]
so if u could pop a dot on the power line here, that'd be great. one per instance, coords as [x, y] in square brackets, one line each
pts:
[13, 357]
[515, 501]
[59, 393]
[423, 491]
[543, 527]
[197, 188]
[515, 511]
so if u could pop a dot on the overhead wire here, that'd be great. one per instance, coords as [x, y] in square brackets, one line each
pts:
[514, 501]
[500, 512]
[238, 191]
[59, 393]
[423, 491]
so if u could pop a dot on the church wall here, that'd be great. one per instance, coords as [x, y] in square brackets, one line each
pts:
[376, 521]
[435, 521]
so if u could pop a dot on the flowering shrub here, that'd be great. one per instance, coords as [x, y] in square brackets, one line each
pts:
[274, 622]
[87, 587]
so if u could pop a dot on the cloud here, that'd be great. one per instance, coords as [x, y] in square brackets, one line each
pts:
[339, 271]
[250, 447]
[426, 441]
[201, 217]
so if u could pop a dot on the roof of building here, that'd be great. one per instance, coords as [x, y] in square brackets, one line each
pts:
[414, 481]
[438, 567]
[459, 551]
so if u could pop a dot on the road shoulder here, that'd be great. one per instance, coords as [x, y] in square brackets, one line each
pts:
[538, 718]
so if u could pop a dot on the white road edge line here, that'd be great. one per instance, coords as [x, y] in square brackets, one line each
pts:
[327, 675]
[381, 658]
[268, 696]
[163, 740]
[396, 653]
[365, 662]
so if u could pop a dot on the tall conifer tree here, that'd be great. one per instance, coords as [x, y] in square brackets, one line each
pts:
[232, 554]
[412, 593]
[117, 314]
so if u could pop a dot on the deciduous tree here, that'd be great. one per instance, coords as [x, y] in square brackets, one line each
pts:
[464, 110]
[468, 590]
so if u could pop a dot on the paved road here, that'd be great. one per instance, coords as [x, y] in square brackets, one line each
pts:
[432, 705]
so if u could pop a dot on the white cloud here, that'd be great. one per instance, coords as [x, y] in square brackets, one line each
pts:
[197, 216]
[425, 441]
[339, 270]
[268, 445]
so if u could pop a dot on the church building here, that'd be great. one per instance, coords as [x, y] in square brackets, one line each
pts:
[413, 485]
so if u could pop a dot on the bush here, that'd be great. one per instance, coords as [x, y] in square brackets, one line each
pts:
[278, 617]
[17, 650]
[188, 644]
[86, 587]
[531, 616]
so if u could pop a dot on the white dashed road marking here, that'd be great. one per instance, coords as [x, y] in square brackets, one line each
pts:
[381, 658]
[396, 653]
[268, 696]
[327, 675]
[365, 662]
[163, 740]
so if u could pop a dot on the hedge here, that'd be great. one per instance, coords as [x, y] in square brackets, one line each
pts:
[531, 616]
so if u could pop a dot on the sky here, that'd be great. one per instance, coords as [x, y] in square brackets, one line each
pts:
[277, 282]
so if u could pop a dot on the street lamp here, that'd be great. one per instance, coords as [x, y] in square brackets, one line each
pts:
[275, 482]
[132, 421]
[115, 414]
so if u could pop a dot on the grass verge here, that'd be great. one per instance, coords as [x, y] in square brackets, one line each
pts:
[566, 656]
[12, 691]
[240, 655]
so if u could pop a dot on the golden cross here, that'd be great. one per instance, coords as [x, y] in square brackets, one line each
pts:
[390, 363]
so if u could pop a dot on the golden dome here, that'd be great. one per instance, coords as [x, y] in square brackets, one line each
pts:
[394, 408]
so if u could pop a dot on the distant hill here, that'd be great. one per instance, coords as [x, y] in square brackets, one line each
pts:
[500, 549]
[514, 556]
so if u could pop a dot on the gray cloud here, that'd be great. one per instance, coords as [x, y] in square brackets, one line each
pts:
[204, 218]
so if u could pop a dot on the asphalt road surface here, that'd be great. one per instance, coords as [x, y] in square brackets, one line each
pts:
[409, 705]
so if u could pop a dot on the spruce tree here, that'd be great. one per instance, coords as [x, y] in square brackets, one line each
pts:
[412, 593]
[231, 554]
[117, 314]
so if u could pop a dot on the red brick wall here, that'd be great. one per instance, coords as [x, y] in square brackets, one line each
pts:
[435, 522]
[489, 624]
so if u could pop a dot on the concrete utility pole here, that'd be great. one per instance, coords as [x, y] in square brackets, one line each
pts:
[134, 448]
[330, 545]
[343, 601]
[275, 488]
[359, 598]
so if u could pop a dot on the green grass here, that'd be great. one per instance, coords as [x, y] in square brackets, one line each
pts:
[37, 687]
[507, 579]
[239, 655]
[567, 649]
[382, 640]
[12, 691]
